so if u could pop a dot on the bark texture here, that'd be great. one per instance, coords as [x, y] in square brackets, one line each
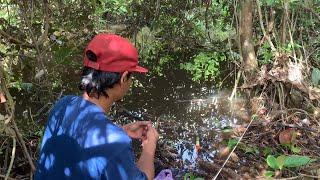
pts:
[247, 47]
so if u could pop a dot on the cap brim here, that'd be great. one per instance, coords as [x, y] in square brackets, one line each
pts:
[139, 69]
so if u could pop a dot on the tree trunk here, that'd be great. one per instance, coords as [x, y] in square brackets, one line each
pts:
[247, 47]
[284, 19]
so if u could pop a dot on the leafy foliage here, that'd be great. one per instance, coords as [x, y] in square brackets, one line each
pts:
[190, 176]
[284, 161]
[232, 143]
[205, 66]
[297, 161]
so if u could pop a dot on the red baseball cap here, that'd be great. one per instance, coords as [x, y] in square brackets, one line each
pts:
[113, 54]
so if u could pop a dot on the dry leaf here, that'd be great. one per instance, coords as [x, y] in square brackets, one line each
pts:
[39, 74]
[286, 136]
[314, 93]
[277, 174]
[2, 98]
[234, 157]
[262, 112]
[239, 130]
[224, 152]
[316, 113]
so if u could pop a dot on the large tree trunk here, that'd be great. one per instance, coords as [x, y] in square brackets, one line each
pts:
[247, 48]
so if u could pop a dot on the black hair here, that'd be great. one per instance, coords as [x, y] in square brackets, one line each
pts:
[95, 82]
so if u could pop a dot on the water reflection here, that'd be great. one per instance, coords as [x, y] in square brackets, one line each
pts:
[184, 111]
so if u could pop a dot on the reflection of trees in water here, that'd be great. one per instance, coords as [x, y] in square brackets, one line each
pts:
[204, 116]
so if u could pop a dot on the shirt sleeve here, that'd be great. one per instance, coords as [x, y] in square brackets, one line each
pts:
[122, 166]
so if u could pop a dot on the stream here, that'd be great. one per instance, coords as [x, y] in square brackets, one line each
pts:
[190, 117]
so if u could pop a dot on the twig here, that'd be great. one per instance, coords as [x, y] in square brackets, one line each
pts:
[306, 175]
[222, 81]
[284, 19]
[9, 178]
[14, 40]
[46, 20]
[292, 45]
[234, 148]
[262, 27]
[157, 123]
[13, 155]
[31, 174]
[157, 9]
[23, 144]
[296, 177]
[235, 85]
[312, 11]
[297, 126]
[33, 37]
[5, 166]
[206, 20]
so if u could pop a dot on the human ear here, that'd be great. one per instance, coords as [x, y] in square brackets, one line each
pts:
[124, 77]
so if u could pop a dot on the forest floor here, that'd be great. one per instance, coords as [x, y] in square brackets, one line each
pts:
[280, 141]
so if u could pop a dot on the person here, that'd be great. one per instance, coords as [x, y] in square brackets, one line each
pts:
[80, 141]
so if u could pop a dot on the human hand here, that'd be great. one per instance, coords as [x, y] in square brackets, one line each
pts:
[152, 137]
[137, 130]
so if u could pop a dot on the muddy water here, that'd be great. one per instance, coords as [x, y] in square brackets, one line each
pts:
[184, 111]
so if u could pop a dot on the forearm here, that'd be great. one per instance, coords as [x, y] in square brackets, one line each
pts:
[146, 162]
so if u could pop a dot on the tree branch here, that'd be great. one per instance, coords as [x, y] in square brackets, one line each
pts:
[24, 147]
[312, 11]
[46, 23]
[14, 40]
[13, 155]
[11, 109]
[265, 34]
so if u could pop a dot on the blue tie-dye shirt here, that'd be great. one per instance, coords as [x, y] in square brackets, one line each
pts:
[80, 142]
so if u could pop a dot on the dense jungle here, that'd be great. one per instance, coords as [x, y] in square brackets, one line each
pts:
[233, 87]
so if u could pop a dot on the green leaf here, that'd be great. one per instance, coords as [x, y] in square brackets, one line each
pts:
[297, 161]
[266, 151]
[315, 76]
[269, 173]
[272, 162]
[270, 2]
[248, 149]
[254, 117]
[188, 176]
[232, 143]
[280, 161]
[227, 130]
[295, 149]
[251, 149]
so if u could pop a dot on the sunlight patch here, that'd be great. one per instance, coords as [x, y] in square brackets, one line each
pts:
[94, 138]
[49, 161]
[67, 171]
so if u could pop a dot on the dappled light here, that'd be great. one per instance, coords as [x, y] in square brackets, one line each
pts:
[64, 154]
